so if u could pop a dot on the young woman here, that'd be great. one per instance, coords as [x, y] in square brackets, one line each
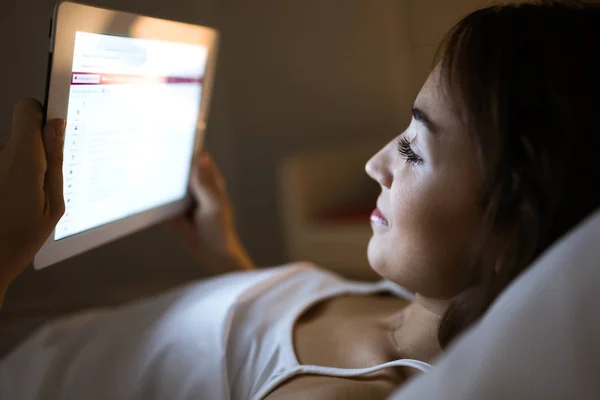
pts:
[498, 162]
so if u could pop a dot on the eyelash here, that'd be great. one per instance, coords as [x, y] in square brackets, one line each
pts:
[407, 152]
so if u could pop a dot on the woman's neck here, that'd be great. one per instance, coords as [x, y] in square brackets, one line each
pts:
[414, 330]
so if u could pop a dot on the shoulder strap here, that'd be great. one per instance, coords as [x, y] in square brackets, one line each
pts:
[345, 372]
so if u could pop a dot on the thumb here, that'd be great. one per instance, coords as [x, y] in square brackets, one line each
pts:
[53, 184]
[27, 122]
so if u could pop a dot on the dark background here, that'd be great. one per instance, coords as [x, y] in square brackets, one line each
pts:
[293, 76]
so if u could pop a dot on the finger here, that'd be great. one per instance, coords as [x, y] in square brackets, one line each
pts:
[211, 176]
[27, 122]
[53, 185]
[203, 192]
[213, 167]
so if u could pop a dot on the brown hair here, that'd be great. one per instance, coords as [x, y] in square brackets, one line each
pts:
[526, 81]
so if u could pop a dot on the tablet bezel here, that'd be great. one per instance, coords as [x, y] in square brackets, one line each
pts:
[70, 17]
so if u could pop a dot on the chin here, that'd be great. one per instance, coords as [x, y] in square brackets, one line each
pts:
[388, 266]
[375, 257]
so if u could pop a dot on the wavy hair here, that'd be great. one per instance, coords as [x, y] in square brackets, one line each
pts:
[525, 79]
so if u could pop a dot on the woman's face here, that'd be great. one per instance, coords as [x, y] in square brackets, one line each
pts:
[427, 214]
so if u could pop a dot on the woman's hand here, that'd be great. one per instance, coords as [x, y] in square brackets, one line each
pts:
[209, 228]
[31, 188]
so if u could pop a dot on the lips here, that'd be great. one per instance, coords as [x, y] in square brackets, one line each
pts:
[377, 218]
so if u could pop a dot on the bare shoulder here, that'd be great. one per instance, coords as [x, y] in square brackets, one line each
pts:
[327, 388]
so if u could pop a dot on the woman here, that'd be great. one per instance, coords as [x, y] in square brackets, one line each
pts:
[497, 163]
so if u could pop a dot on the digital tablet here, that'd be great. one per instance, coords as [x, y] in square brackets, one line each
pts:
[135, 92]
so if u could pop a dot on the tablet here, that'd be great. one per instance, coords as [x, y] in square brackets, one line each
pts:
[135, 92]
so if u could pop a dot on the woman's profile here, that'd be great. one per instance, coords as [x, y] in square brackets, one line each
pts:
[499, 161]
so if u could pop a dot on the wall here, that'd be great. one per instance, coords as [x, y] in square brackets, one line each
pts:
[303, 75]
[428, 22]
[144, 263]
[318, 73]
[293, 76]
[300, 75]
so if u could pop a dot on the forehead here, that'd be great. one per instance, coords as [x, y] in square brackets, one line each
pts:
[433, 99]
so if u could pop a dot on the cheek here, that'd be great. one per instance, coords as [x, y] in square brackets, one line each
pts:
[431, 230]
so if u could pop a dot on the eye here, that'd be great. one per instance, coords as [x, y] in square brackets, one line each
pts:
[407, 152]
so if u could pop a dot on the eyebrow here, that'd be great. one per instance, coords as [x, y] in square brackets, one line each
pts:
[419, 115]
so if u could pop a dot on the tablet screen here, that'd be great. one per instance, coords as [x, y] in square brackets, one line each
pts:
[131, 125]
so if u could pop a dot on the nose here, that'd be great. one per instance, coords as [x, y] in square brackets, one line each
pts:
[378, 168]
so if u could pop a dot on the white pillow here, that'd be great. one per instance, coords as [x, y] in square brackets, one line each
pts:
[540, 340]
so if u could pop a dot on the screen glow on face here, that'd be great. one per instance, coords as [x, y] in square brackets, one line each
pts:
[131, 125]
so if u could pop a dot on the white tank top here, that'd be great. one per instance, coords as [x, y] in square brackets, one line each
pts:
[229, 337]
